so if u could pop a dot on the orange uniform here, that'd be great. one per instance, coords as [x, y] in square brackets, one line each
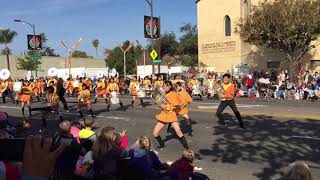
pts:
[101, 89]
[35, 89]
[158, 83]
[229, 89]
[70, 86]
[185, 99]
[113, 87]
[168, 115]
[133, 87]
[26, 93]
[84, 97]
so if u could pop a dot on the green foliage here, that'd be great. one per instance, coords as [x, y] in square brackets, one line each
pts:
[28, 64]
[115, 58]
[43, 37]
[80, 54]
[186, 48]
[169, 44]
[289, 26]
[95, 44]
[7, 36]
[47, 51]
[6, 51]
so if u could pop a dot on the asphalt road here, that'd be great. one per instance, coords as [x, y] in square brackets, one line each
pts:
[278, 133]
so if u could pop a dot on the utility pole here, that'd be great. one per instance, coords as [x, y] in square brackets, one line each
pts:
[150, 2]
[144, 58]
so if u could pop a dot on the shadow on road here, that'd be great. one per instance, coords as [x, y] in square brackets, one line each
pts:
[268, 142]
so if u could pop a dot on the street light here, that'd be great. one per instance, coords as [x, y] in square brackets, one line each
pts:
[34, 31]
[73, 47]
[124, 57]
[144, 58]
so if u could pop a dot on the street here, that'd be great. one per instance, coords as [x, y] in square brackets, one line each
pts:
[278, 133]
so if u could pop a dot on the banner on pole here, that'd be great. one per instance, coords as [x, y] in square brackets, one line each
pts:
[34, 42]
[147, 27]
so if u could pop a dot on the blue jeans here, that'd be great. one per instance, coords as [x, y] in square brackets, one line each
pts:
[251, 90]
[279, 93]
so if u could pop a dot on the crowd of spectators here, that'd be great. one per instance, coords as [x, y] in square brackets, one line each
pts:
[76, 151]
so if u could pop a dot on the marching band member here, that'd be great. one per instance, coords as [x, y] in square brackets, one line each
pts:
[209, 86]
[228, 100]
[194, 83]
[168, 115]
[69, 87]
[26, 91]
[84, 98]
[35, 89]
[182, 110]
[101, 91]
[178, 79]
[10, 89]
[42, 86]
[3, 90]
[112, 87]
[134, 86]
[146, 82]
[159, 82]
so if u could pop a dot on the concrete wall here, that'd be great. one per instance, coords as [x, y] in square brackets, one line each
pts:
[48, 62]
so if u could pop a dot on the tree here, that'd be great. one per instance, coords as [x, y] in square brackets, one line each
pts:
[115, 58]
[6, 37]
[289, 26]
[80, 54]
[169, 44]
[28, 64]
[95, 44]
[188, 45]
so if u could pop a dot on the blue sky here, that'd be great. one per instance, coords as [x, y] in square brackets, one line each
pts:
[107, 20]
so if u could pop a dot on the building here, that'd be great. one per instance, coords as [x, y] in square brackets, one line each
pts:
[221, 49]
[49, 62]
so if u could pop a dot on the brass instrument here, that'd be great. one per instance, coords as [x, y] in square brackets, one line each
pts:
[219, 90]
[159, 97]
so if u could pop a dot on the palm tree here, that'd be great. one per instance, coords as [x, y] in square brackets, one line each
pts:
[95, 44]
[6, 37]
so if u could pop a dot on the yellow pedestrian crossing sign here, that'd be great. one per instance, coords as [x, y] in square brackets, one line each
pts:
[154, 54]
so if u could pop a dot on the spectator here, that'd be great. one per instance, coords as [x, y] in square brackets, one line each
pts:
[297, 171]
[307, 78]
[66, 163]
[280, 90]
[107, 154]
[75, 129]
[146, 160]
[182, 169]
[250, 87]
[86, 132]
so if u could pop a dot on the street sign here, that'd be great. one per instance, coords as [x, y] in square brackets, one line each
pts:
[35, 54]
[153, 54]
[157, 61]
[40, 70]
[36, 57]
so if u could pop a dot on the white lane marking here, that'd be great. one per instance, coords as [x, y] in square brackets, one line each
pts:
[238, 105]
[9, 107]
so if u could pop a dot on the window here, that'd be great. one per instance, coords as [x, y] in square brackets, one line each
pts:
[227, 26]
[273, 65]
